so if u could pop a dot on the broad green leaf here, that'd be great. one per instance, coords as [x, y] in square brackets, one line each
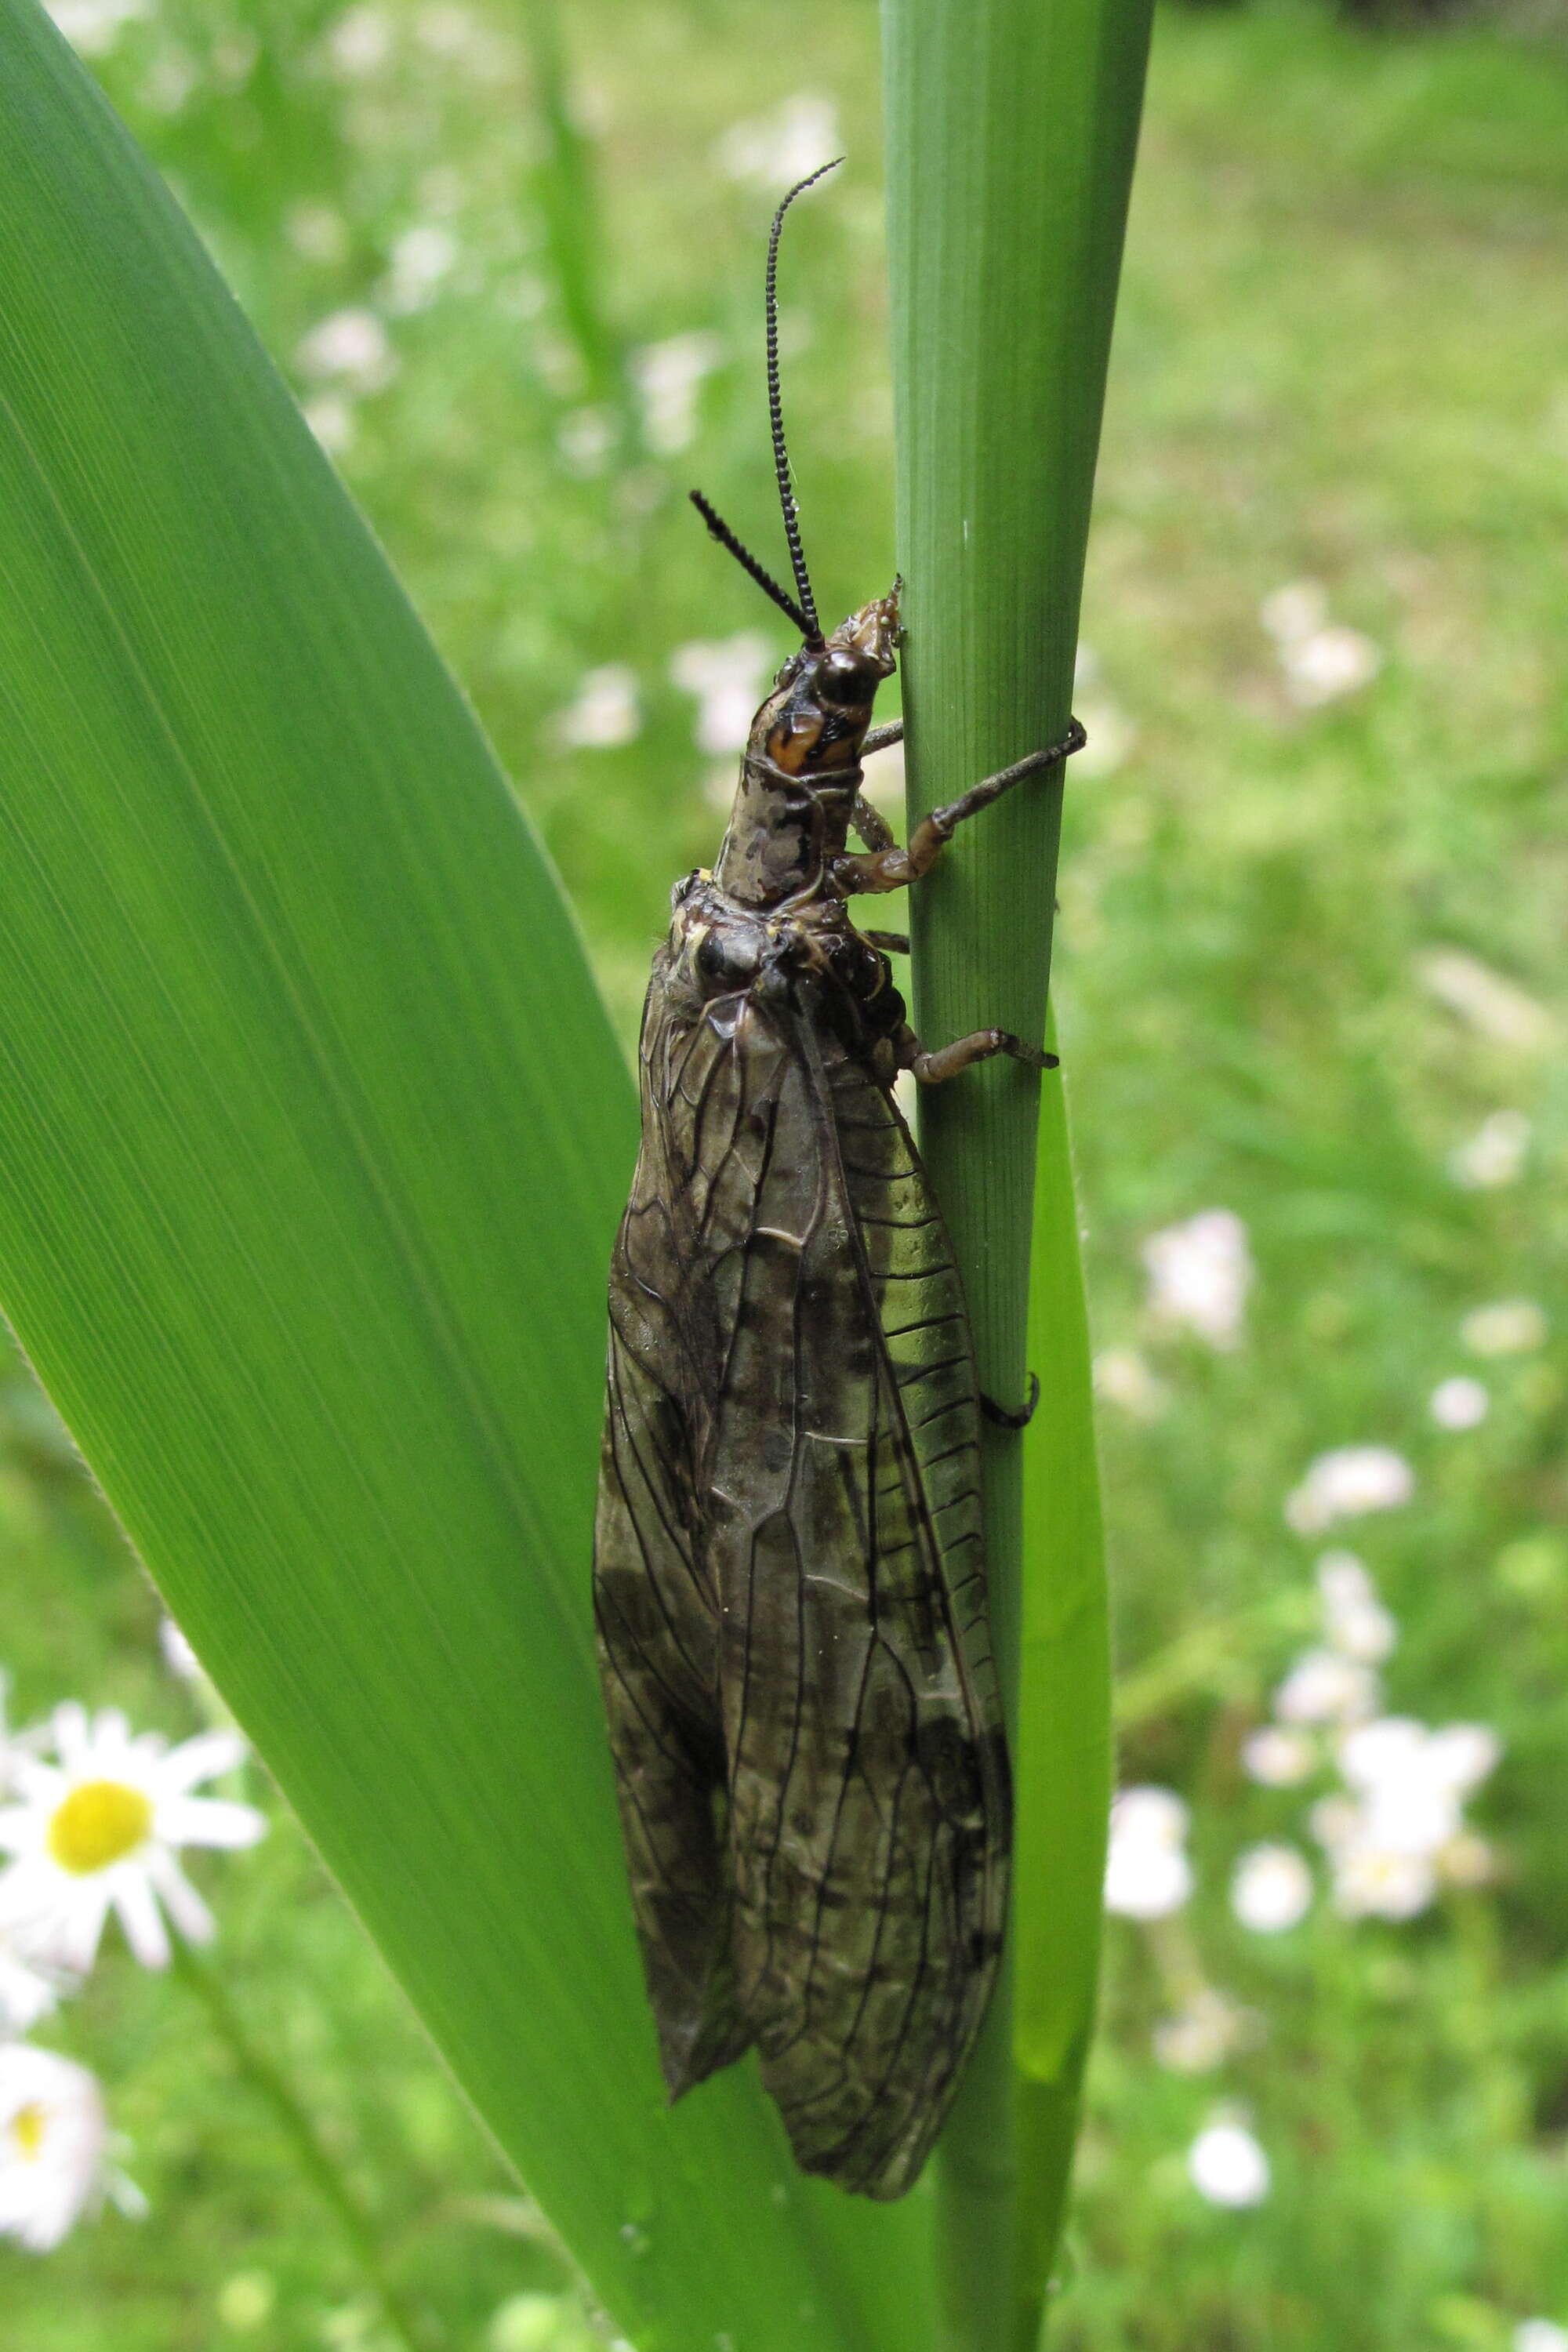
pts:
[312, 1142]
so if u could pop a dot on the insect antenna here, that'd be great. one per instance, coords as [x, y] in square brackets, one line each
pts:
[775, 408]
[809, 629]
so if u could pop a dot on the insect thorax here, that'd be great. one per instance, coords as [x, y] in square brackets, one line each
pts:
[803, 952]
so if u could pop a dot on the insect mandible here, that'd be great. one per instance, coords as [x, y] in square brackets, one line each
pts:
[789, 1565]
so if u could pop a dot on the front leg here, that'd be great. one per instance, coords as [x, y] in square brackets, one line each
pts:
[894, 869]
[980, 1046]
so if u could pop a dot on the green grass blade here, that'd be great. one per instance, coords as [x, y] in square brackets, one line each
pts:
[1064, 1751]
[1011, 129]
[314, 1138]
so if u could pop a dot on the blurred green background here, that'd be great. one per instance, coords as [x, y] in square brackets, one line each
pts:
[1309, 971]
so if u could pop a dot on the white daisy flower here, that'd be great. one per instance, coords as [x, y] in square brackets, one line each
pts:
[1354, 1619]
[1460, 1403]
[1271, 1890]
[727, 676]
[1324, 1687]
[1147, 1873]
[53, 2137]
[1199, 1275]
[1227, 2165]
[27, 1992]
[101, 1828]
[1494, 1155]
[1510, 1326]
[605, 711]
[1123, 1376]
[1540, 2335]
[1277, 1757]
[1346, 1482]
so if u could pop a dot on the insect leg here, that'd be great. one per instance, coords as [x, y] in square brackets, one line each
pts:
[894, 869]
[870, 824]
[933, 1068]
[1012, 1416]
[882, 739]
[890, 942]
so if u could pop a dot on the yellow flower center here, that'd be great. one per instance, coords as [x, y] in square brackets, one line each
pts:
[100, 1821]
[28, 2129]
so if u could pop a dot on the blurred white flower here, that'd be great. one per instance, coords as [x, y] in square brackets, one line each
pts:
[1494, 1155]
[1497, 1008]
[360, 41]
[1375, 1882]
[1320, 661]
[1147, 1873]
[778, 149]
[585, 439]
[1111, 734]
[1199, 1275]
[1123, 1377]
[1540, 2335]
[1324, 1687]
[604, 711]
[1459, 1403]
[669, 376]
[1510, 1326]
[1389, 1842]
[1354, 1620]
[349, 347]
[1277, 1758]
[1460, 1756]
[1329, 663]
[100, 1830]
[318, 232]
[727, 674]
[92, 27]
[1347, 1481]
[53, 2136]
[27, 1994]
[1271, 1888]
[178, 1655]
[1200, 2037]
[331, 419]
[1227, 2165]
[1292, 613]
[423, 258]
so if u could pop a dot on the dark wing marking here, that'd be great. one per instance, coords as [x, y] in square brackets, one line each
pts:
[791, 1598]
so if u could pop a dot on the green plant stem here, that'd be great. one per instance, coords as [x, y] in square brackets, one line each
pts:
[1011, 129]
[315, 2159]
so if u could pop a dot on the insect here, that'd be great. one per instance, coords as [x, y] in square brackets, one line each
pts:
[789, 1573]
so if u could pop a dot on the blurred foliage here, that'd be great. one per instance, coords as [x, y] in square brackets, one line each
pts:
[1339, 359]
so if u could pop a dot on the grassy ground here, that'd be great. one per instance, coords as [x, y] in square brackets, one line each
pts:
[1339, 361]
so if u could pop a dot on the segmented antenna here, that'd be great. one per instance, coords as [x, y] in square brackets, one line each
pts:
[775, 409]
[748, 563]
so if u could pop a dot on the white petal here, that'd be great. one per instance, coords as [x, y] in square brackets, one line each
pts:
[74, 1934]
[201, 1758]
[183, 1905]
[141, 1918]
[71, 1731]
[209, 1820]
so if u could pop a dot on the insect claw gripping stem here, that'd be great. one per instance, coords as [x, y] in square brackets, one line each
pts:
[1012, 1416]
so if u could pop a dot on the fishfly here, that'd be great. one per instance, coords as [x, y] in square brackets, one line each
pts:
[789, 1562]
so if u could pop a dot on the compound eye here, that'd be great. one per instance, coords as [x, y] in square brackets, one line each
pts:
[724, 956]
[846, 679]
